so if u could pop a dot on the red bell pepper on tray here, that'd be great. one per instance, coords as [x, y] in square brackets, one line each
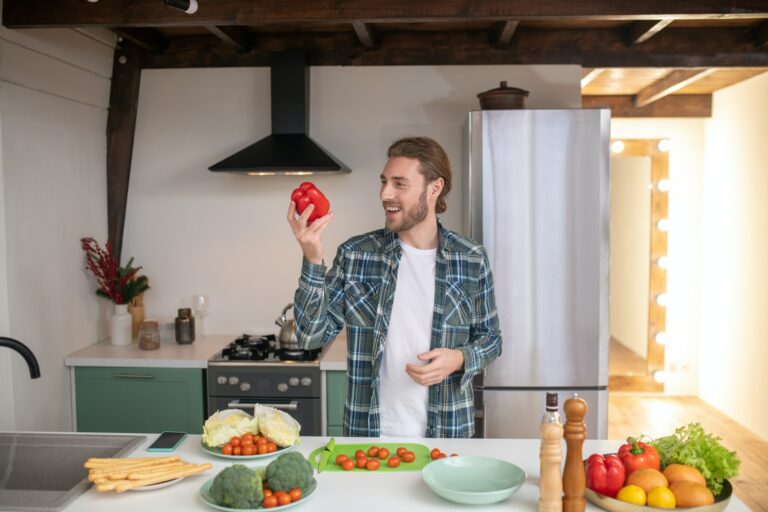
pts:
[636, 455]
[605, 475]
[307, 194]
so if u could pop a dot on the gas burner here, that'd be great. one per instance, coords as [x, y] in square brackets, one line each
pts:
[264, 348]
[297, 355]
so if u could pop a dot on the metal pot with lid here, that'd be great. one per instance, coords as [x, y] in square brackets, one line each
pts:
[287, 337]
[503, 98]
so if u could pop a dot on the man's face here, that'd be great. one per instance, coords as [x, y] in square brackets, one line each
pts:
[403, 194]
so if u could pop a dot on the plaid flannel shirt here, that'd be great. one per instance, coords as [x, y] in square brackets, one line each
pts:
[359, 291]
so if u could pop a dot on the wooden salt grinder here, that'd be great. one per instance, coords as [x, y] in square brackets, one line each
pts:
[574, 477]
[551, 455]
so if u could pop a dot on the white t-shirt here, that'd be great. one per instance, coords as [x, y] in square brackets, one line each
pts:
[403, 401]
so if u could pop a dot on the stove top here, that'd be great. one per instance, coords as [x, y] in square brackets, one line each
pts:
[262, 349]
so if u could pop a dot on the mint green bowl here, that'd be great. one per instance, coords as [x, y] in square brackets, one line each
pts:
[473, 480]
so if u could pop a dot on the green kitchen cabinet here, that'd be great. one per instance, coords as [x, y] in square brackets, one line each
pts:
[145, 400]
[335, 395]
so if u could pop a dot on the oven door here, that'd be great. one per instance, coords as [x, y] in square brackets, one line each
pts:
[304, 410]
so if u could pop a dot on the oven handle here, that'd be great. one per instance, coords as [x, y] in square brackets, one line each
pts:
[290, 406]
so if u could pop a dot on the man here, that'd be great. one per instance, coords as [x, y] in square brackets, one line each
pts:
[417, 301]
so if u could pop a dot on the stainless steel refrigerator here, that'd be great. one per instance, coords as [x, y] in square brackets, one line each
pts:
[536, 195]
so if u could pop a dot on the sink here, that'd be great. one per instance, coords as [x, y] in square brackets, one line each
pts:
[44, 472]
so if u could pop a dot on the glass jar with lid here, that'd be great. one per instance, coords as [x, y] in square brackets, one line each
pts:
[149, 335]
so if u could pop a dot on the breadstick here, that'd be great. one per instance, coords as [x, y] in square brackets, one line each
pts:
[123, 474]
[149, 473]
[93, 462]
[132, 484]
[135, 465]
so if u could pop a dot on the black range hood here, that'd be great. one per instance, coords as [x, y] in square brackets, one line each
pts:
[288, 150]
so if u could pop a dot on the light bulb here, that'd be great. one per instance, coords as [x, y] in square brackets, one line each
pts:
[661, 338]
[663, 185]
[664, 145]
[663, 225]
[617, 146]
[660, 376]
[662, 262]
[661, 299]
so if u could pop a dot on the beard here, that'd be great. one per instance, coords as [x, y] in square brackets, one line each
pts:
[410, 216]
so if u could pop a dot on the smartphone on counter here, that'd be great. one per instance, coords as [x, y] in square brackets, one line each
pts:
[167, 442]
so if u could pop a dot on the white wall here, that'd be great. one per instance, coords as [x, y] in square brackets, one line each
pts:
[8, 417]
[686, 172]
[630, 247]
[226, 235]
[54, 91]
[734, 323]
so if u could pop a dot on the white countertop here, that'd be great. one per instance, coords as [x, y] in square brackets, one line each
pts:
[173, 355]
[339, 490]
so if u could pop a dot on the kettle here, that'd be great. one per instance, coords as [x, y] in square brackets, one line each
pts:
[287, 337]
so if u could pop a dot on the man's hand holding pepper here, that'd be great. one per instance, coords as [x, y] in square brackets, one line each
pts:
[308, 236]
[442, 363]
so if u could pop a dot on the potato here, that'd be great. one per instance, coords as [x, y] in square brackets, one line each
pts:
[680, 472]
[691, 494]
[647, 479]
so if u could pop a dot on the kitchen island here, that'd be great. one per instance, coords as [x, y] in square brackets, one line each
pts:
[338, 490]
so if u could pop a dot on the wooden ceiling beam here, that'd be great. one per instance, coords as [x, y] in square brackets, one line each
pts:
[641, 31]
[233, 35]
[149, 39]
[680, 105]
[365, 34]
[504, 32]
[679, 48]
[589, 77]
[153, 13]
[672, 82]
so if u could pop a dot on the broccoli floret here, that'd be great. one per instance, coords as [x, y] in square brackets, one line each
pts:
[290, 470]
[238, 487]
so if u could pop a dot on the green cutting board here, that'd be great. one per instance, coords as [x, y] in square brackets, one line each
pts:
[421, 452]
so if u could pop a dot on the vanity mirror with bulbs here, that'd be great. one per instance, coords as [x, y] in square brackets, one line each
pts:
[638, 275]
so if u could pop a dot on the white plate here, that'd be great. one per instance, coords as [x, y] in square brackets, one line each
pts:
[205, 491]
[157, 486]
[216, 452]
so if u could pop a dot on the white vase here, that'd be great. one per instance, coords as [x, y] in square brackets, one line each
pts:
[120, 325]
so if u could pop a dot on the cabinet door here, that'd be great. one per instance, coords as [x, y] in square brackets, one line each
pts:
[142, 400]
[336, 393]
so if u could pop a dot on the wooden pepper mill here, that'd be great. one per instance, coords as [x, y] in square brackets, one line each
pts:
[574, 477]
[550, 456]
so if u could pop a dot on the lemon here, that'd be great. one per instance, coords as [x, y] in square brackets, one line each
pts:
[661, 497]
[632, 494]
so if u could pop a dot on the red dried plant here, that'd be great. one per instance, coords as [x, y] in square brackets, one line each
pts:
[119, 284]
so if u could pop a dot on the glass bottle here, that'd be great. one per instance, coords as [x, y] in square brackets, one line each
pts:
[149, 335]
[185, 327]
[550, 458]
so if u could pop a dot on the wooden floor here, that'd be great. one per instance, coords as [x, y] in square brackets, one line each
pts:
[658, 415]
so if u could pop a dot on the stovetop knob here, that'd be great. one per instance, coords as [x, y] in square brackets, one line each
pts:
[282, 387]
[245, 386]
[221, 380]
[234, 381]
[306, 381]
[293, 381]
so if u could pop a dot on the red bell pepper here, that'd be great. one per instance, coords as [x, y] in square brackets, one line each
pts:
[307, 194]
[636, 455]
[605, 475]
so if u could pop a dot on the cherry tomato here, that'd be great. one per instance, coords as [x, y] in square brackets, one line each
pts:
[441, 456]
[348, 465]
[269, 501]
[246, 442]
[383, 453]
[247, 449]
[372, 465]
[401, 451]
[359, 453]
[340, 459]
[295, 494]
[261, 449]
[361, 462]
[279, 493]
[373, 451]
[283, 499]
[237, 450]
[226, 449]
[271, 447]
[454, 455]
[393, 462]
[409, 457]
[260, 440]
[248, 436]
[267, 492]
[235, 441]
[434, 453]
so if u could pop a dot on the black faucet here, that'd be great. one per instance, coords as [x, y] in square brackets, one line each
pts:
[29, 357]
